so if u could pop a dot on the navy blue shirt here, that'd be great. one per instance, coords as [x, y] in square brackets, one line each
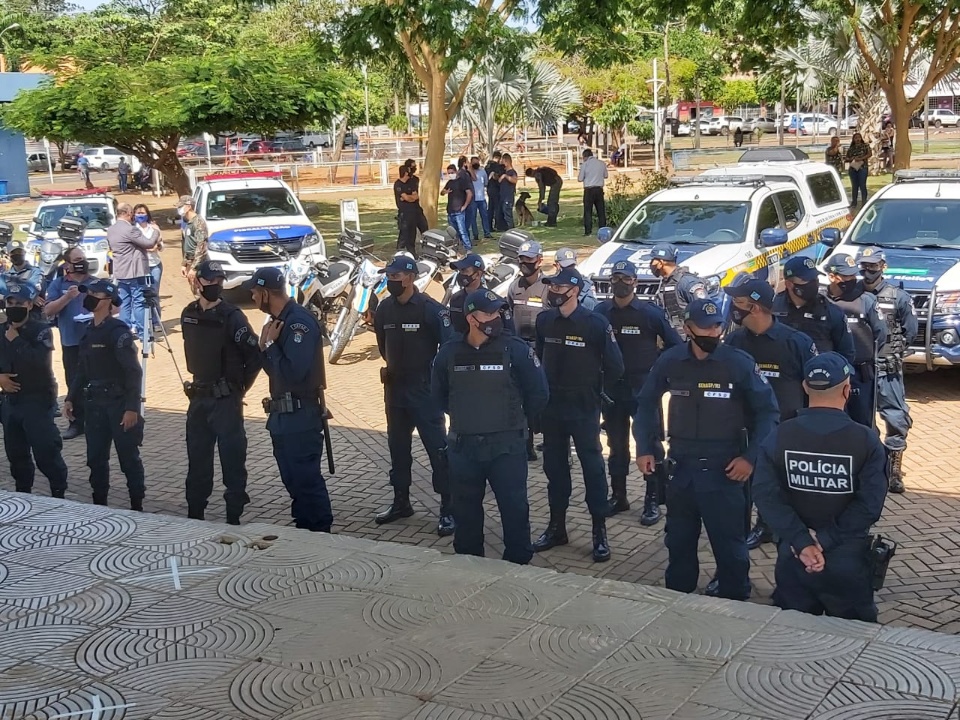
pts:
[840, 336]
[648, 319]
[293, 357]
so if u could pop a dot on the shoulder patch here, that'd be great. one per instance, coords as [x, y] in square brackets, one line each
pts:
[45, 338]
[300, 327]
[813, 349]
[124, 340]
[238, 338]
[532, 354]
[444, 316]
[699, 291]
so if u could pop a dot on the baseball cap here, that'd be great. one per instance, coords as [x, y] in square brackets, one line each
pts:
[664, 251]
[470, 261]
[101, 285]
[842, 264]
[531, 249]
[185, 200]
[482, 301]
[210, 270]
[704, 313]
[624, 267]
[567, 276]
[400, 263]
[871, 254]
[21, 291]
[268, 278]
[801, 268]
[565, 257]
[826, 370]
[745, 285]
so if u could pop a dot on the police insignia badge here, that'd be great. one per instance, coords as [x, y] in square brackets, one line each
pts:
[298, 337]
[868, 251]
[710, 309]
[850, 261]
[808, 263]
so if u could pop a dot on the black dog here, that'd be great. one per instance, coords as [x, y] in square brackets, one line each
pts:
[523, 212]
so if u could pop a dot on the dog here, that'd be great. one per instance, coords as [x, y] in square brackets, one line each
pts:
[524, 215]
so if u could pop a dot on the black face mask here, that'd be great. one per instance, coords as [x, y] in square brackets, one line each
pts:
[476, 166]
[491, 328]
[847, 285]
[621, 289]
[211, 293]
[738, 315]
[528, 269]
[81, 267]
[16, 314]
[395, 287]
[90, 303]
[465, 280]
[871, 276]
[807, 293]
[707, 343]
[555, 299]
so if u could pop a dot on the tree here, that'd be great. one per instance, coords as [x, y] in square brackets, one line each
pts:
[615, 115]
[145, 110]
[737, 93]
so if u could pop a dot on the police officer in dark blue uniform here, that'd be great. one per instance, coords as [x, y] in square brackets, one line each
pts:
[779, 351]
[804, 308]
[641, 329]
[579, 352]
[678, 286]
[867, 328]
[821, 482]
[896, 307]
[29, 395]
[721, 407]
[292, 357]
[488, 382]
[223, 355]
[109, 376]
[410, 329]
[470, 278]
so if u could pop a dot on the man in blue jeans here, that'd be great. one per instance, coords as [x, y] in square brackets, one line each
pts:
[459, 192]
[479, 205]
[130, 265]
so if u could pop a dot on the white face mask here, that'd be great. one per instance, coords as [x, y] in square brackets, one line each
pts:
[181, 211]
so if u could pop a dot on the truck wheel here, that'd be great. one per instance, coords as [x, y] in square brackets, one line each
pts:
[937, 124]
[724, 131]
[343, 332]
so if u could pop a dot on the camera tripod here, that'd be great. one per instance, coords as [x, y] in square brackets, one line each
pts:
[151, 319]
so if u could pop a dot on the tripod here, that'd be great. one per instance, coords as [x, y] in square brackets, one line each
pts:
[151, 319]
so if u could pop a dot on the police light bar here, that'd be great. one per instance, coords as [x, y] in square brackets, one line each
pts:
[927, 176]
[275, 174]
[755, 180]
[83, 192]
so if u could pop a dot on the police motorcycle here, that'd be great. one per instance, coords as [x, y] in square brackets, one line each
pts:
[501, 270]
[369, 285]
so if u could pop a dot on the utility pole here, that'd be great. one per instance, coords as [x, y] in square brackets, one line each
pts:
[656, 118]
[783, 109]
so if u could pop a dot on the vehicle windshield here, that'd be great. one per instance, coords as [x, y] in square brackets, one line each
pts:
[250, 202]
[96, 215]
[701, 223]
[910, 223]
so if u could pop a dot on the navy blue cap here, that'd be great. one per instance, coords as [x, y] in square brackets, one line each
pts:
[704, 313]
[826, 370]
[801, 268]
[567, 276]
[664, 251]
[101, 285]
[871, 254]
[482, 301]
[268, 278]
[210, 270]
[624, 267]
[400, 263]
[565, 257]
[21, 291]
[531, 248]
[470, 261]
[745, 285]
[842, 264]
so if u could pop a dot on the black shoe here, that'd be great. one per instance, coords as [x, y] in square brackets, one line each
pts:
[446, 525]
[100, 500]
[713, 588]
[59, 494]
[74, 431]
[193, 514]
[601, 548]
[758, 536]
[617, 502]
[399, 508]
[136, 504]
[233, 519]
[555, 534]
[651, 512]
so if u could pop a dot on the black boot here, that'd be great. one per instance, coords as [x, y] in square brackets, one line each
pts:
[58, 493]
[759, 535]
[896, 471]
[136, 504]
[99, 499]
[601, 549]
[74, 431]
[651, 507]
[195, 513]
[233, 516]
[555, 534]
[713, 587]
[618, 495]
[446, 525]
[399, 508]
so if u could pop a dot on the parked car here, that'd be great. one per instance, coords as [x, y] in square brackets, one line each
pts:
[264, 148]
[764, 124]
[292, 149]
[940, 118]
[37, 162]
[107, 158]
[724, 124]
[849, 123]
[324, 140]
[817, 124]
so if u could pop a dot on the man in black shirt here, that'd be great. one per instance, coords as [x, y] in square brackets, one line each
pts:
[459, 192]
[494, 170]
[410, 216]
[548, 177]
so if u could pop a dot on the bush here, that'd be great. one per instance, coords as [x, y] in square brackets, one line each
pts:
[643, 131]
[397, 123]
[625, 193]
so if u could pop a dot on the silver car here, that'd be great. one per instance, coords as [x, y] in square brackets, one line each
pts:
[37, 162]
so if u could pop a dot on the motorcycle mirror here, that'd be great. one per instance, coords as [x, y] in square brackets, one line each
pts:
[604, 234]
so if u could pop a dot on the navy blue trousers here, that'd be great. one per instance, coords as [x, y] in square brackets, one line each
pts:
[102, 427]
[860, 404]
[28, 427]
[428, 421]
[585, 432]
[298, 457]
[892, 404]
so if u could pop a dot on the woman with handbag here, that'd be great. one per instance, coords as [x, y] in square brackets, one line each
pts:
[858, 157]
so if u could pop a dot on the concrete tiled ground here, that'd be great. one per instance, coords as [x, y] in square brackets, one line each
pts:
[114, 615]
[923, 580]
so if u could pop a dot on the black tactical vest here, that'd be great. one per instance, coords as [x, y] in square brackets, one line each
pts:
[637, 341]
[36, 380]
[204, 341]
[855, 312]
[773, 358]
[706, 406]
[819, 471]
[669, 297]
[528, 302]
[897, 343]
[484, 398]
[409, 346]
[813, 321]
[572, 361]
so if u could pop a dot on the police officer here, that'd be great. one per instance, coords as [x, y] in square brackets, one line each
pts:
[22, 272]
[867, 328]
[896, 307]
[525, 298]
[678, 286]
[821, 483]
[29, 395]
[223, 355]
[640, 328]
[779, 351]
[567, 258]
[410, 329]
[292, 357]
[488, 381]
[109, 376]
[470, 278]
[804, 308]
[720, 409]
[579, 351]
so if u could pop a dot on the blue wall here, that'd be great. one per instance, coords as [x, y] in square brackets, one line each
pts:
[13, 163]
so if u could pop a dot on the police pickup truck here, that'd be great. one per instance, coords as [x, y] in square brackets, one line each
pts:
[916, 220]
[246, 210]
[96, 208]
[749, 217]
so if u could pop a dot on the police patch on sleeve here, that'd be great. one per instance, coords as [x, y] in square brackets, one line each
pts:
[813, 349]
[699, 292]
[238, 338]
[45, 337]
[445, 317]
[125, 340]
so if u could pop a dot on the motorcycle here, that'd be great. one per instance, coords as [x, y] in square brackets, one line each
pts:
[501, 270]
[370, 285]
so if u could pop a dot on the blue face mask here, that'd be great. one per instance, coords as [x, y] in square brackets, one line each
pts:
[140, 218]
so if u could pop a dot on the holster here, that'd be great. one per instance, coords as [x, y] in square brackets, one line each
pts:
[881, 551]
[282, 405]
[385, 376]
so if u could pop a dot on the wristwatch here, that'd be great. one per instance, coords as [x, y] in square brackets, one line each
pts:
[267, 344]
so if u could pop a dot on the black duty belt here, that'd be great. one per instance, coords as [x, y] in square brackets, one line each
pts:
[216, 389]
[287, 404]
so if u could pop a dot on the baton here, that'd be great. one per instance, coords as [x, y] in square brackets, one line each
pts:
[327, 442]
[876, 383]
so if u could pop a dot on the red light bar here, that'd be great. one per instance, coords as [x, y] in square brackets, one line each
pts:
[244, 175]
[82, 192]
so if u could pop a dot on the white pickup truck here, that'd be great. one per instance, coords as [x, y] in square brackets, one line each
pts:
[749, 217]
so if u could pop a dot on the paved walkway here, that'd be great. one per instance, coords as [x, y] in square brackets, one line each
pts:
[923, 580]
[114, 615]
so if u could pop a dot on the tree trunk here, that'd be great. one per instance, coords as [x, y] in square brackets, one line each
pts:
[901, 120]
[174, 174]
[436, 147]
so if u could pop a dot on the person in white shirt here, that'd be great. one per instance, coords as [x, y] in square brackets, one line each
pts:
[479, 204]
[144, 221]
[593, 173]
